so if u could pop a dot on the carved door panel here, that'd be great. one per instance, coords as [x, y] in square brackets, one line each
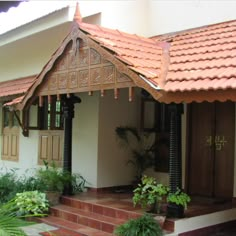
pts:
[10, 137]
[50, 146]
[211, 151]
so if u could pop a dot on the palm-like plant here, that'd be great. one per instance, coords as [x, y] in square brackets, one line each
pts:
[10, 226]
[10, 223]
[141, 146]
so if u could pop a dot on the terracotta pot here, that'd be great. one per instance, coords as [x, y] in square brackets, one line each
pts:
[53, 197]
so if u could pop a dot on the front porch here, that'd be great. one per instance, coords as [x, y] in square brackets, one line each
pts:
[93, 213]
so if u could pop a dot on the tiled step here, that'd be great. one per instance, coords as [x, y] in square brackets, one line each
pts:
[87, 218]
[121, 210]
[118, 210]
[69, 228]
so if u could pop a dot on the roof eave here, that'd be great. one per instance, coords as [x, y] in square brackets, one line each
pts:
[46, 22]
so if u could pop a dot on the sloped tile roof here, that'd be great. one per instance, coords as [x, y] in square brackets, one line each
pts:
[142, 55]
[202, 58]
[16, 87]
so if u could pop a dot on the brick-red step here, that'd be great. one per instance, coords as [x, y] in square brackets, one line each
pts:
[72, 229]
[93, 220]
[123, 211]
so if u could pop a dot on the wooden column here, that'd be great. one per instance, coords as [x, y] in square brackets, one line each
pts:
[175, 155]
[68, 113]
[175, 158]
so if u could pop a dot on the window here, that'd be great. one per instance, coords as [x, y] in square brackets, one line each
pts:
[155, 118]
[10, 136]
[51, 115]
[51, 135]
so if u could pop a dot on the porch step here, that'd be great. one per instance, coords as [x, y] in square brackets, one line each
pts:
[87, 218]
[69, 228]
[111, 208]
[95, 216]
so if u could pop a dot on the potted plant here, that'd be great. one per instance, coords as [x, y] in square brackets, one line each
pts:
[144, 225]
[51, 179]
[150, 194]
[141, 146]
[54, 180]
[178, 202]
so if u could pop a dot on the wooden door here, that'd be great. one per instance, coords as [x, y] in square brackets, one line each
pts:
[224, 149]
[211, 152]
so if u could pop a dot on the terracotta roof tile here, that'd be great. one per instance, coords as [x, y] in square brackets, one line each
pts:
[198, 59]
[16, 87]
[141, 54]
[202, 58]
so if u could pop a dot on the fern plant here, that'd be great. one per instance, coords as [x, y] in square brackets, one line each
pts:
[145, 225]
[141, 147]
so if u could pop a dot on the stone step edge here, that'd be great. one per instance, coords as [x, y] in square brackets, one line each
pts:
[90, 215]
[130, 214]
[62, 224]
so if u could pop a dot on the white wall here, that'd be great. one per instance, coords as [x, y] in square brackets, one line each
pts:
[85, 138]
[29, 56]
[170, 16]
[112, 158]
[28, 154]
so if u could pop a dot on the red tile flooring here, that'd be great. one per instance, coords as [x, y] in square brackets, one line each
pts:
[97, 214]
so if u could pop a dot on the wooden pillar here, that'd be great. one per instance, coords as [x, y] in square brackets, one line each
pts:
[68, 113]
[175, 158]
[175, 155]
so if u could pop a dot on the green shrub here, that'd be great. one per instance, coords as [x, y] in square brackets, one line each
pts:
[53, 178]
[27, 204]
[31, 203]
[145, 225]
[8, 185]
[11, 184]
[150, 193]
[179, 198]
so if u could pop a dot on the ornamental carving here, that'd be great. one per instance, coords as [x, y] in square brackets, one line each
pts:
[62, 81]
[95, 57]
[120, 77]
[95, 76]
[83, 78]
[85, 68]
[108, 74]
[62, 64]
[83, 57]
[73, 83]
[72, 60]
[104, 61]
[53, 82]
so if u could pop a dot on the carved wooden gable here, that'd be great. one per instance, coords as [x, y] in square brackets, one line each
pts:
[82, 68]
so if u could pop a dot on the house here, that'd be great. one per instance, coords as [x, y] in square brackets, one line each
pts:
[180, 85]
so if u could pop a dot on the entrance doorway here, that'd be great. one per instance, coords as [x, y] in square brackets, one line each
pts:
[211, 150]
